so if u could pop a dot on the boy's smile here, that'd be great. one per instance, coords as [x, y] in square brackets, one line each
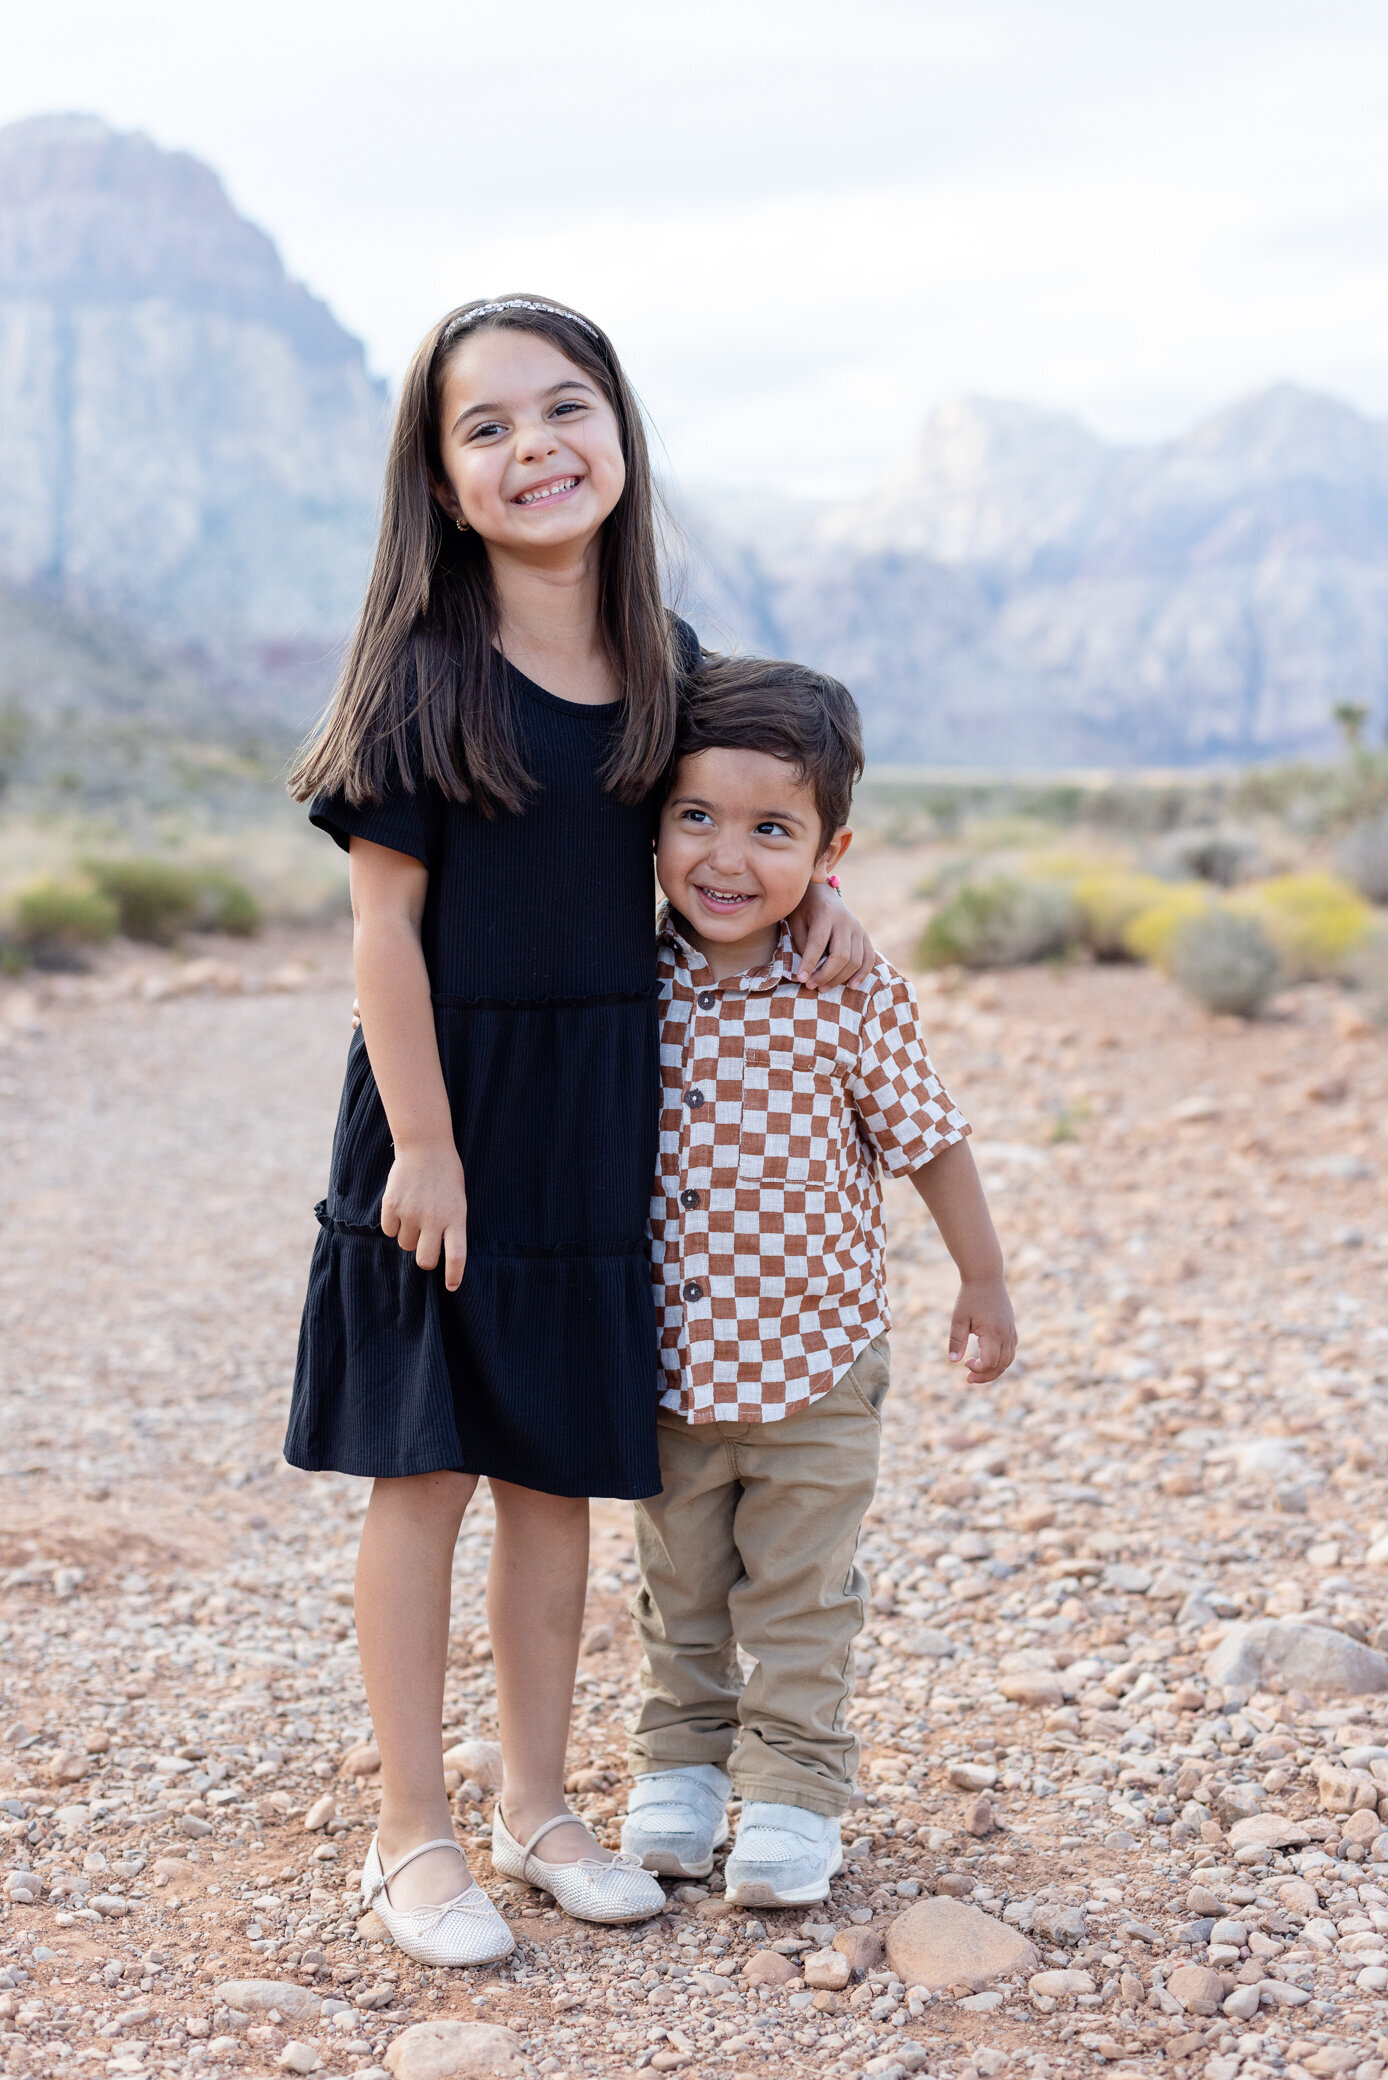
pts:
[740, 842]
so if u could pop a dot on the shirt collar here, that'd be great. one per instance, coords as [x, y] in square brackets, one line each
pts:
[780, 968]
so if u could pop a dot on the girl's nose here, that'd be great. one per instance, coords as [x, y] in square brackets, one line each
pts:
[535, 441]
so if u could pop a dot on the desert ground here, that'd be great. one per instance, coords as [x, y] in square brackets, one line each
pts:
[1123, 1697]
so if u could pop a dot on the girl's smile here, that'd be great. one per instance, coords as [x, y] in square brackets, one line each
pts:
[558, 487]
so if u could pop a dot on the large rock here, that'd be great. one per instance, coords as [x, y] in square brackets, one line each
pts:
[944, 1943]
[1199, 1990]
[1306, 1657]
[1267, 1831]
[437, 2050]
[259, 1996]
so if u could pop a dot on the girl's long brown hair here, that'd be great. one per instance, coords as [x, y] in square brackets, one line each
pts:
[424, 691]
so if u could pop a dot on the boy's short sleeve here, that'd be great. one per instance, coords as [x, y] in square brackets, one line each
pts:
[401, 818]
[903, 1107]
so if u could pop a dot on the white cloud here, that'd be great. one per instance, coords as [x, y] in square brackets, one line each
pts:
[805, 225]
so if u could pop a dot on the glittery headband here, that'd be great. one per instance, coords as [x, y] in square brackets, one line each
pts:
[514, 303]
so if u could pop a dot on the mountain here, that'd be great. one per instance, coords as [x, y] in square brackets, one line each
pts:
[1027, 594]
[190, 443]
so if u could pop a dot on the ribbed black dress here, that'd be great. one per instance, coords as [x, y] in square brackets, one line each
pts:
[539, 939]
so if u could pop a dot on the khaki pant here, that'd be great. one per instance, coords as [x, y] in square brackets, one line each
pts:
[752, 1544]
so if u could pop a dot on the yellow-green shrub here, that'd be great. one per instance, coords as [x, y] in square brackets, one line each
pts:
[63, 914]
[1150, 935]
[1109, 901]
[1314, 920]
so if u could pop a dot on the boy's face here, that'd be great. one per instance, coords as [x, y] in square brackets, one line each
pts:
[739, 844]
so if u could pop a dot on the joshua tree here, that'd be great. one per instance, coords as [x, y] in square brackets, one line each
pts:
[1351, 716]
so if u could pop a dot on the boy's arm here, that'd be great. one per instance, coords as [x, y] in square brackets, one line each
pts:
[951, 1188]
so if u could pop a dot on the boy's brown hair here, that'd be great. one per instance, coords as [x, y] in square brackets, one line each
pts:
[786, 710]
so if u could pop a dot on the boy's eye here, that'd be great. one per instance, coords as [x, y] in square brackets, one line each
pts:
[772, 830]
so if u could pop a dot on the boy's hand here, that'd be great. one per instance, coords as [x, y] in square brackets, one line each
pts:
[832, 945]
[424, 1207]
[983, 1310]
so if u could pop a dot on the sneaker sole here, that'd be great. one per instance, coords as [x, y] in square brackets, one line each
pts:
[665, 1864]
[756, 1892]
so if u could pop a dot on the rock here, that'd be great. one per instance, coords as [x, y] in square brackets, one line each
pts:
[1305, 1657]
[1266, 1831]
[361, 1761]
[715, 1909]
[861, 1946]
[1058, 1925]
[320, 1812]
[259, 1996]
[972, 1776]
[1280, 1993]
[828, 1971]
[978, 1817]
[1237, 1802]
[1363, 1825]
[480, 1760]
[68, 1766]
[1298, 1897]
[437, 2050]
[928, 1645]
[1061, 1985]
[598, 1640]
[943, 1943]
[769, 1968]
[1199, 1990]
[1040, 1691]
[371, 1928]
[1344, 1790]
[195, 1829]
[298, 2058]
[1242, 2003]
[1200, 1900]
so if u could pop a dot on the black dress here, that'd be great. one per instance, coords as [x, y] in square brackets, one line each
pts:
[539, 939]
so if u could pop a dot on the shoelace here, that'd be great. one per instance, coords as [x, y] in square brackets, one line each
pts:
[426, 1919]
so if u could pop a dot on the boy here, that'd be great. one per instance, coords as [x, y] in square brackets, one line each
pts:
[767, 1252]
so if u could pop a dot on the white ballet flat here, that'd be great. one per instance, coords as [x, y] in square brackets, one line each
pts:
[464, 1930]
[591, 1891]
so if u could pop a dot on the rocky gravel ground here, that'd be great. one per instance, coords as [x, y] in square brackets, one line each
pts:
[1124, 1692]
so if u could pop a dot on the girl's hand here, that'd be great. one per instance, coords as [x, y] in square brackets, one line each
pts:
[983, 1310]
[832, 945]
[424, 1207]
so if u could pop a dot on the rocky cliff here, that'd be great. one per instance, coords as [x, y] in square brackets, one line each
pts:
[1025, 593]
[189, 441]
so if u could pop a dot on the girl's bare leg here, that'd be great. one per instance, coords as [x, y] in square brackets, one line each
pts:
[404, 1578]
[535, 1595]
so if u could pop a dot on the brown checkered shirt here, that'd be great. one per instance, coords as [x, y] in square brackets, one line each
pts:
[766, 1219]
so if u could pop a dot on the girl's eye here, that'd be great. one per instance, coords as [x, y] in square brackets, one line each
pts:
[488, 427]
[696, 816]
[570, 404]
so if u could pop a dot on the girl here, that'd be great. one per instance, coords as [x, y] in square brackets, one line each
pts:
[479, 1301]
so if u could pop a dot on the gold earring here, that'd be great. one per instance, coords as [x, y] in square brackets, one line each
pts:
[462, 526]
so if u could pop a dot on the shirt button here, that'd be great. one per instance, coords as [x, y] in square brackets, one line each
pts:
[689, 1198]
[693, 1099]
[693, 1290]
[707, 1000]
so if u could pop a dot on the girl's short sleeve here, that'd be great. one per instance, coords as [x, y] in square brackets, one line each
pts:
[402, 819]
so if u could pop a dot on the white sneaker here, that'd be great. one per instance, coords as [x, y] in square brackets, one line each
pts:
[464, 1930]
[614, 1892]
[784, 1856]
[676, 1818]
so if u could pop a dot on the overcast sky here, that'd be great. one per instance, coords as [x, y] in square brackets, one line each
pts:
[805, 223]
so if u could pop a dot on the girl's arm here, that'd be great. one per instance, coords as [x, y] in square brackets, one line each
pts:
[824, 930]
[425, 1204]
[950, 1187]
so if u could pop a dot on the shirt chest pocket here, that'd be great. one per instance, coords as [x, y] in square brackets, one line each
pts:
[774, 1146]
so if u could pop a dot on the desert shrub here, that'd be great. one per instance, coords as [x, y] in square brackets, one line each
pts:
[1314, 920]
[225, 904]
[1151, 934]
[1363, 858]
[1109, 901]
[1226, 961]
[1224, 857]
[154, 899]
[63, 915]
[999, 923]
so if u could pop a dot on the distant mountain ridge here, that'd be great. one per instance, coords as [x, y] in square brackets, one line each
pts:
[1028, 594]
[189, 440]
[191, 447]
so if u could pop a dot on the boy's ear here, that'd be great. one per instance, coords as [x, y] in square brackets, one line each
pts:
[832, 854]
